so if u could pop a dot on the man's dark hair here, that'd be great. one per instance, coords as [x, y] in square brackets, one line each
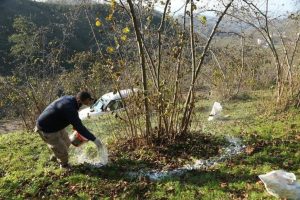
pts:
[83, 95]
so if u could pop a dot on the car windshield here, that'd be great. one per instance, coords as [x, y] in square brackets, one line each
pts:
[98, 104]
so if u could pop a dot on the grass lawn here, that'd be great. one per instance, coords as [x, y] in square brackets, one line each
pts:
[271, 139]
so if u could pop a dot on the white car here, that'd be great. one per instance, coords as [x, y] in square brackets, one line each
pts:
[110, 102]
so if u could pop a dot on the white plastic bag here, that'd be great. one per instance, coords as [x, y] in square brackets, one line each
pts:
[103, 153]
[281, 184]
[215, 111]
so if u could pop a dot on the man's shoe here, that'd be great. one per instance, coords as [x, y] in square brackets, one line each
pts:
[65, 166]
[53, 158]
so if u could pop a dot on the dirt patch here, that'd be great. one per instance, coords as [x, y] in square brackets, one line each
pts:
[7, 126]
[168, 156]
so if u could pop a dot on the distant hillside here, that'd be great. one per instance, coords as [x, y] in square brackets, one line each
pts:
[54, 16]
[46, 14]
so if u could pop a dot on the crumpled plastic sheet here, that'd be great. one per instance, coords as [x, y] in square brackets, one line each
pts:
[281, 184]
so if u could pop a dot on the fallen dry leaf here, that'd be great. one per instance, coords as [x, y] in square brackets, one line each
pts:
[249, 150]
[223, 185]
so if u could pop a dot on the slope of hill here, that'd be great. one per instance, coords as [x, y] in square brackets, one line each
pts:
[51, 15]
[272, 142]
[62, 19]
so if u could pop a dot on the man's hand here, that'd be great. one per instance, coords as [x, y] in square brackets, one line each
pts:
[98, 143]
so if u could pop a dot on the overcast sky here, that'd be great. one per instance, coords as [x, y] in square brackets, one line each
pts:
[277, 7]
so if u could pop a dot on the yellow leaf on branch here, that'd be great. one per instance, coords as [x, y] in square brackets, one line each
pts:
[123, 37]
[126, 30]
[110, 49]
[98, 23]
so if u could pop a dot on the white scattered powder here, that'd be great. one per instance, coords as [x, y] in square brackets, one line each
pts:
[89, 153]
[101, 158]
[235, 147]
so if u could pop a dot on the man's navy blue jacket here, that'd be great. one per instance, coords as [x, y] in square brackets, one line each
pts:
[59, 114]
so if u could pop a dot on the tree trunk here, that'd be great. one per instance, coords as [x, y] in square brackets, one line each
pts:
[143, 67]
